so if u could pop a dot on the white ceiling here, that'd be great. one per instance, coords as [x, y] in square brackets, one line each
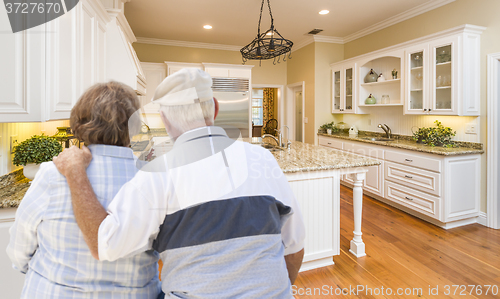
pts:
[235, 21]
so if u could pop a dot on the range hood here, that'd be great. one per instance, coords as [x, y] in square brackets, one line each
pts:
[122, 64]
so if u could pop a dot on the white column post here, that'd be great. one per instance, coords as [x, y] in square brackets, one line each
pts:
[357, 245]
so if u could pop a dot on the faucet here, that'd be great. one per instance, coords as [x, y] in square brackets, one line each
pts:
[278, 142]
[386, 129]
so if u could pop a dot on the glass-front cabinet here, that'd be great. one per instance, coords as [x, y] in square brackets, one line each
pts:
[431, 78]
[444, 81]
[343, 88]
[336, 91]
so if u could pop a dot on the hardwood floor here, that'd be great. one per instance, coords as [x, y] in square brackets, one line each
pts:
[409, 255]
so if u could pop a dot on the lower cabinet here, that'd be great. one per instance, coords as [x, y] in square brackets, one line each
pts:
[444, 190]
[11, 280]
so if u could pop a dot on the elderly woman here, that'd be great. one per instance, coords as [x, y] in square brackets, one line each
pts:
[45, 241]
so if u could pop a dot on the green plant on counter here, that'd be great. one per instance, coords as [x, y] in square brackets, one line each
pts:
[435, 136]
[37, 149]
[394, 73]
[327, 126]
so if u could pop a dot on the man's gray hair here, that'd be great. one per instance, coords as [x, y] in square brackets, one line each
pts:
[191, 116]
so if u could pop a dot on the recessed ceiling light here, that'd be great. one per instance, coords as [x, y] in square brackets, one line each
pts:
[270, 33]
[207, 27]
[324, 12]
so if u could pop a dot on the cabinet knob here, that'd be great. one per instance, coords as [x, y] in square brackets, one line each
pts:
[329, 143]
[408, 198]
[425, 109]
[407, 176]
[408, 160]
[429, 110]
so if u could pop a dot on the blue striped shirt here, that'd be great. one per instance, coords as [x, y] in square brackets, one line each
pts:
[47, 245]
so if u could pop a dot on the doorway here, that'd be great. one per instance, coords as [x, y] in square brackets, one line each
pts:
[298, 113]
[266, 105]
[493, 145]
[295, 110]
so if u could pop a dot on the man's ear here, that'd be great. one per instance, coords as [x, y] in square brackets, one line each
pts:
[216, 106]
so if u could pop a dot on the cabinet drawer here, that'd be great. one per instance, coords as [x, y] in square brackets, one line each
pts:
[422, 180]
[330, 142]
[413, 199]
[364, 150]
[414, 160]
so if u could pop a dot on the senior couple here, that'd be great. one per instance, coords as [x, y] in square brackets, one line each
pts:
[92, 225]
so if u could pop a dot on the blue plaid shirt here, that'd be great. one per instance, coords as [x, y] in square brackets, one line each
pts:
[47, 245]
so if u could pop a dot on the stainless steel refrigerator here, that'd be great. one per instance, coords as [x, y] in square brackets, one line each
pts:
[234, 105]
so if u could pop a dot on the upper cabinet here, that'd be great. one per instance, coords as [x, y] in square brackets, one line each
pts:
[387, 90]
[343, 91]
[47, 68]
[437, 74]
[443, 75]
[218, 70]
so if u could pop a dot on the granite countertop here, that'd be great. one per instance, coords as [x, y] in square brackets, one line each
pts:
[13, 186]
[405, 142]
[307, 157]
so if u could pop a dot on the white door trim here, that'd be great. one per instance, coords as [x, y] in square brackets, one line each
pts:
[291, 99]
[492, 152]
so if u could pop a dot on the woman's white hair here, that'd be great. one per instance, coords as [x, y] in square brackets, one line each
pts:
[188, 117]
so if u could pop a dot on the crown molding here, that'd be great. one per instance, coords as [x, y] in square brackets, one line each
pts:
[307, 41]
[328, 39]
[178, 43]
[418, 10]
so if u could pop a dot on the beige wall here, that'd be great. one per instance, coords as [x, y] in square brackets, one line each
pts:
[476, 12]
[325, 54]
[301, 68]
[267, 73]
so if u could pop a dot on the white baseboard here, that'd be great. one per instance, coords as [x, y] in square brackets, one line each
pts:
[482, 219]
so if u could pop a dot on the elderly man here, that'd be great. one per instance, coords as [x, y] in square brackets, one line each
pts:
[220, 212]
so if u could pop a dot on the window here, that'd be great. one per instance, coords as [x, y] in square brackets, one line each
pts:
[257, 112]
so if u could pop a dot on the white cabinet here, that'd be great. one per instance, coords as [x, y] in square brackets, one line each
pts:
[442, 74]
[382, 64]
[444, 190]
[155, 73]
[11, 280]
[47, 68]
[343, 88]
[218, 70]
[173, 67]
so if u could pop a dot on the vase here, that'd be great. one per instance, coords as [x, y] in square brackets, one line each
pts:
[30, 170]
[370, 100]
[371, 76]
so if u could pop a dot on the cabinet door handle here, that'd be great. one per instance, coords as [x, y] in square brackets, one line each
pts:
[408, 160]
[407, 176]
[425, 109]
[429, 110]
[329, 143]
[406, 197]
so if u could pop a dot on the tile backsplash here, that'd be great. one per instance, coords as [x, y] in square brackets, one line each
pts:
[403, 124]
[22, 131]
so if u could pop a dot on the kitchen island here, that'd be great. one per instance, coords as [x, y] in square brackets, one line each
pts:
[314, 174]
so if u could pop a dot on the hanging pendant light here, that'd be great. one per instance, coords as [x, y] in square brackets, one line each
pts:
[267, 45]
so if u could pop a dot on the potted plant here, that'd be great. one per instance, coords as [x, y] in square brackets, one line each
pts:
[34, 151]
[328, 128]
[435, 136]
[394, 74]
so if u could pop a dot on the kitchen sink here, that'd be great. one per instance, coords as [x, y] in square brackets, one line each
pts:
[270, 147]
[378, 139]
